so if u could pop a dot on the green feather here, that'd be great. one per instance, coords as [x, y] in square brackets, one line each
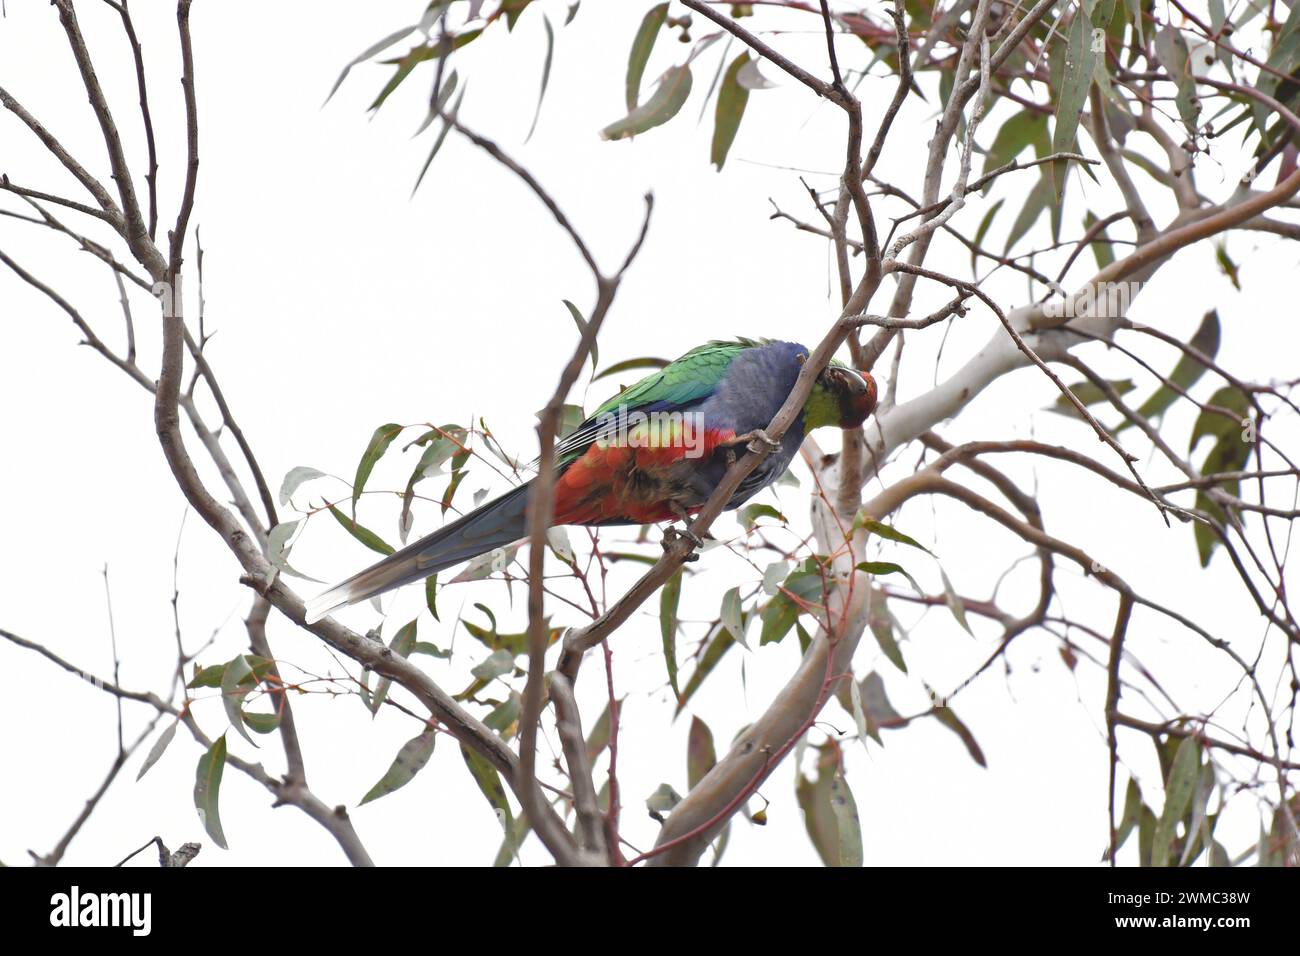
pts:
[688, 379]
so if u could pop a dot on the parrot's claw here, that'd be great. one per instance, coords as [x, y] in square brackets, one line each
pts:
[755, 440]
[671, 533]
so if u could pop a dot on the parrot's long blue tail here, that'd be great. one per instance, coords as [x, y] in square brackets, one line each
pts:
[494, 525]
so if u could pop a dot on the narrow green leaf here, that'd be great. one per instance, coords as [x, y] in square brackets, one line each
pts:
[431, 595]
[546, 75]
[581, 323]
[440, 138]
[159, 745]
[362, 533]
[847, 825]
[410, 760]
[700, 755]
[1172, 52]
[1027, 128]
[733, 617]
[887, 567]
[881, 623]
[668, 600]
[1040, 197]
[379, 442]
[887, 531]
[207, 789]
[1187, 372]
[1080, 59]
[642, 44]
[402, 644]
[1089, 394]
[732, 99]
[1178, 795]
[236, 683]
[954, 603]
[950, 720]
[489, 783]
[366, 54]
[663, 105]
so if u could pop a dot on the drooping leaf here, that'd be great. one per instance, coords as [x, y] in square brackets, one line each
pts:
[733, 617]
[1040, 197]
[489, 783]
[402, 644]
[881, 623]
[207, 789]
[1089, 394]
[982, 231]
[1179, 787]
[1080, 60]
[950, 720]
[1100, 245]
[663, 105]
[435, 49]
[1027, 128]
[1172, 52]
[362, 533]
[159, 745]
[370, 51]
[1187, 372]
[431, 595]
[441, 138]
[829, 811]
[848, 827]
[886, 567]
[378, 444]
[700, 755]
[954, 603]
[875, 527]
[581, 323]
[410, 760]
[668, 600]
[546, 75]
[236, 683]
[732, 99]
[642, 44]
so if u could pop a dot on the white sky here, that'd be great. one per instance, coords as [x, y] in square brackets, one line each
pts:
[340, 303]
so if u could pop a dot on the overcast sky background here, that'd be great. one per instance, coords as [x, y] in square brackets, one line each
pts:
[341, 302]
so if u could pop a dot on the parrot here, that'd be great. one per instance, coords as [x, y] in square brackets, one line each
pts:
[653, 453]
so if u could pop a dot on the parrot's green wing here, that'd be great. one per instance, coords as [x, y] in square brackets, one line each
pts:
[689, 379]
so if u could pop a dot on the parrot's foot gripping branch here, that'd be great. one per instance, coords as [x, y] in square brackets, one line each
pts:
[671, 533]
